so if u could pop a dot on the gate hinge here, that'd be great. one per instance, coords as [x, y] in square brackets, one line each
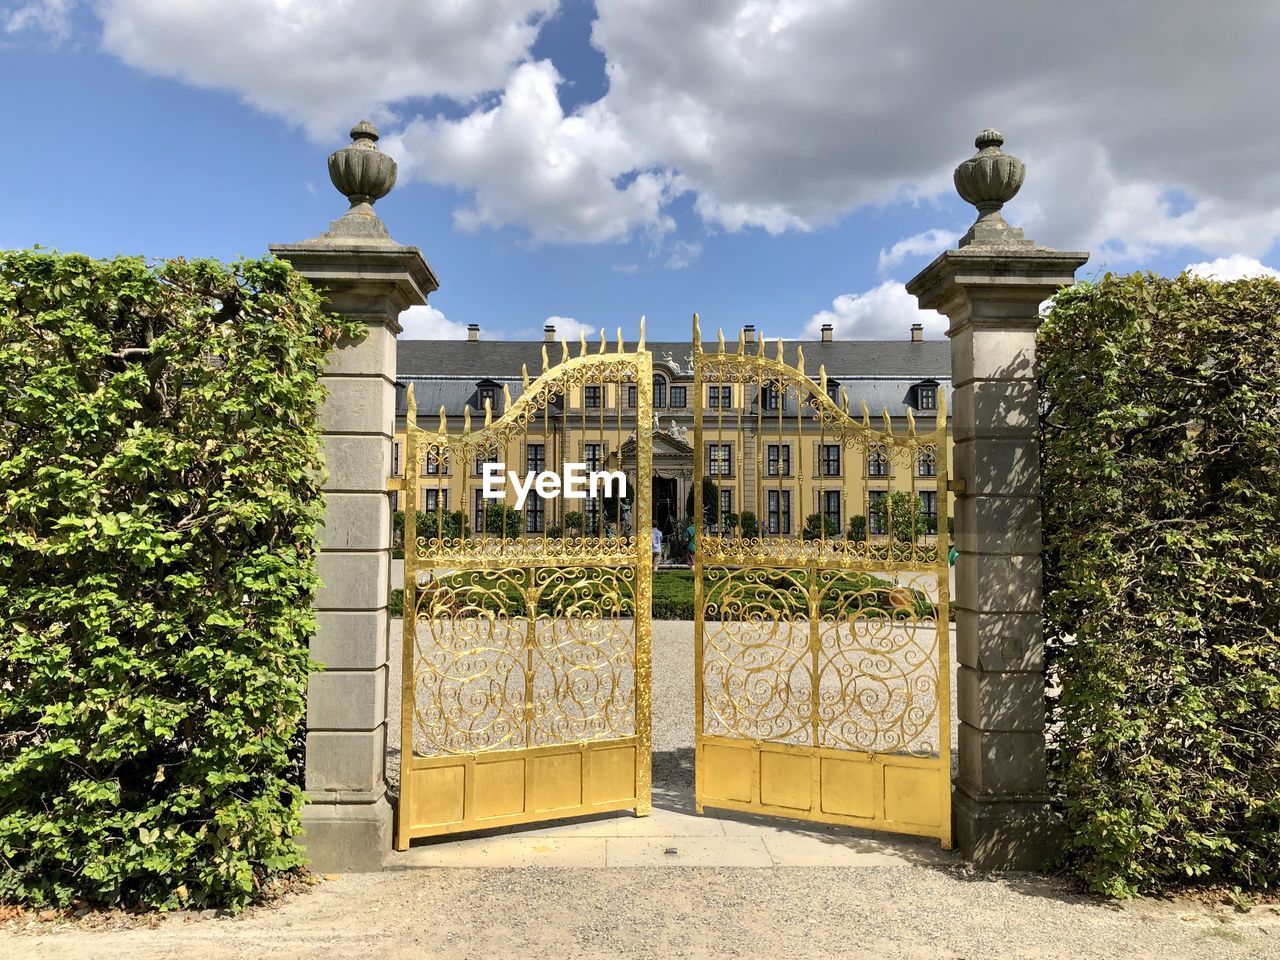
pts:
[955, 486]
[395, 484]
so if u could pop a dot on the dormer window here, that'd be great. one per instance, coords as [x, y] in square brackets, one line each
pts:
[487, 392]
[833, 391]
[927, 396]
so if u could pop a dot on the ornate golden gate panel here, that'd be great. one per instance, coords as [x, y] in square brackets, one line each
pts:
[822, 670]
[526, 662]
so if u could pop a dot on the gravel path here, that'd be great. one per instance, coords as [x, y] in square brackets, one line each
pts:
[796, 912]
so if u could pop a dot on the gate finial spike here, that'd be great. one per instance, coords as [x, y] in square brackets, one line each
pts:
[444, 420]
[800, 358]
[411, 406]
[742, 341]
[911, 423]
[844, 400]
[888, 421]
[524, 370]
[781, 351]
[582, 343]
[488, 412]
[866, 415]
[604, 341]
[620, 347]
[640, 345]
[506, 398]
[822, 377]
[942, 409]
[697, 335]
[760, 344]
[466, 419]
[546, 363]
[564, 350]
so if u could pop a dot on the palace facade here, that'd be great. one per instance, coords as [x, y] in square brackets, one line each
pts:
[758, 450]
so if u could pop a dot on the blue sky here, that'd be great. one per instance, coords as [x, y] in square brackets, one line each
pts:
[755, 162]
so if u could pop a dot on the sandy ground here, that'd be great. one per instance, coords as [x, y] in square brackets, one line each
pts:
[850, 894]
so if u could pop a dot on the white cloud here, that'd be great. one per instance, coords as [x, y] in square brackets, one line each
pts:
[46, 16]
[326, 64]
[885, 312]
[428, 323]
[1235, 267]
[778, 116]
[570, 329]
[529, 164]
[928, 243]
[683, 254]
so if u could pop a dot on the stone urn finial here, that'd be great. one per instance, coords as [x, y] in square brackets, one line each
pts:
[989, 180]
[361, 172]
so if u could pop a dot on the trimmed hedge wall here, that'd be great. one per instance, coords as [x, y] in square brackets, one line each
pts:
[158, 504]
[1162, 528]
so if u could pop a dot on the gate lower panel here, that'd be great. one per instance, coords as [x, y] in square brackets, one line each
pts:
[478, 792]
[903, 794]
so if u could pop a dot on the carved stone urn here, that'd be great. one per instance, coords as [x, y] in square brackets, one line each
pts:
[361, 172]
[989, 180]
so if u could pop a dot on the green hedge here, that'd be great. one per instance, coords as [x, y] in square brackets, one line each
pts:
[158, 503]
[1162, 527]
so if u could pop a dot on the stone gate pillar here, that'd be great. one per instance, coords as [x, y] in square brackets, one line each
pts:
[991, 289]
[362, 273]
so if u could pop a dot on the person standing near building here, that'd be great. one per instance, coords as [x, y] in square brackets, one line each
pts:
[690, 537]
[656, 536]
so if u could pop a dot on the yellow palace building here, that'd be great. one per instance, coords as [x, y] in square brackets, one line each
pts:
[758, 450]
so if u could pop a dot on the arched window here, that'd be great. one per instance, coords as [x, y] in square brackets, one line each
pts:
[659, 391]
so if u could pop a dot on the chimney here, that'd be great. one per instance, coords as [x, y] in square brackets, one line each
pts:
[917, 333]
[749, 333]
[549, 333]
[826, 332]
[473, 332]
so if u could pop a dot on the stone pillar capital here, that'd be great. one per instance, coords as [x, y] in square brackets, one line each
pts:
[1011, 281]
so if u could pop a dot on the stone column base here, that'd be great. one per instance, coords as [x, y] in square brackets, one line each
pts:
[347, 837]
[1004, 835]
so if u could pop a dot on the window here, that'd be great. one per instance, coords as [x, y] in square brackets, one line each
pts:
[875, 519]
[831, 459]
[631, 396]
[478, 526]
[482, 458]
[833, 391]
[535, 457]
[770, 397]
[659, 390]
[592, 511]
[593, 454]
[926, 397]
[726, 506]
[679, 397]
[720, 459]
[719, 397]
[395, 500]
[929, 507]
[778, 519]
[779, 460]
[396, 447]
[535, 514]
[591, 396]
[927, 463]
[831, 507]
[434, 499]
[489, 394]
[434, 466]
[877, 462]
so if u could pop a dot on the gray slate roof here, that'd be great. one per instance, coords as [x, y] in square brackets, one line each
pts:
[848, 358]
